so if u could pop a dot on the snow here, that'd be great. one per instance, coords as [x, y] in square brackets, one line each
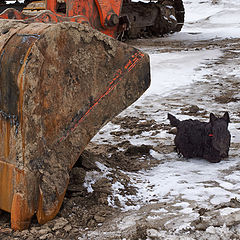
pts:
[204, 20]
[171, 70]
[227, 211]
[181, 182]
[93, 176]
[195, 180]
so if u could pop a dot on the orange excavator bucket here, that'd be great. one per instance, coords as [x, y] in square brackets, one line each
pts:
[60, 82]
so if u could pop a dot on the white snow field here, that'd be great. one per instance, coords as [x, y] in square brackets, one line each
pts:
[176, 79]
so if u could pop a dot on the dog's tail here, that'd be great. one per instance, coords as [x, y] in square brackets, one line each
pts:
[173, 120]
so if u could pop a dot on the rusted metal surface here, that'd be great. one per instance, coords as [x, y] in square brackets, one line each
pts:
[6, 185]
[59, 84]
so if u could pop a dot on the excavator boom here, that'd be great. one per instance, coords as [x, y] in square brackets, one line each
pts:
[120, 19]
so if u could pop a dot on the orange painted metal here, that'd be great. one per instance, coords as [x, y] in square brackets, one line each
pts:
[51, 5]
[102, 15]
[16, 196]
[6, 185]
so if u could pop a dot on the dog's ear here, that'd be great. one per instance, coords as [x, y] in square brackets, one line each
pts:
[212, 117]
[173, 120]
[226, 117]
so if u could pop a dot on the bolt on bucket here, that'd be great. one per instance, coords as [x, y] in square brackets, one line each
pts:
[59, 84]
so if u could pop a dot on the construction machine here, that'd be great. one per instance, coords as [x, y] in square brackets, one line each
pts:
[120, 19]
[64, 75]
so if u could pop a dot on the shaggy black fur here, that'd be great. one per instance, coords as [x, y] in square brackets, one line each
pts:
[210, 140]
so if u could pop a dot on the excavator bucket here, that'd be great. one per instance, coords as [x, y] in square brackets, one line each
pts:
[59, 84]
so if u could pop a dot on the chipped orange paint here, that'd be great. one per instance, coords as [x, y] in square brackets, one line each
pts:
[21, 210]
[6, 185]
[12, 179]
[21, 214]
[44, 216]
[20, 80]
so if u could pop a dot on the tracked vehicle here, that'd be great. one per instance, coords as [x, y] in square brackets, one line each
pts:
[119, 19]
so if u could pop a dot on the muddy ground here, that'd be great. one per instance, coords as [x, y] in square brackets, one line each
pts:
[88, 215]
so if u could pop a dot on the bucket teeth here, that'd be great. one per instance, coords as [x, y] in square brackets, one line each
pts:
[59, 84]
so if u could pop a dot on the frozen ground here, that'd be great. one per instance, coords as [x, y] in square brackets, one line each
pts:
[181, 79]
[130, 183]
[198, 66]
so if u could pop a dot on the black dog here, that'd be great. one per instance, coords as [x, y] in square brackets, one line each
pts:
[205, 140]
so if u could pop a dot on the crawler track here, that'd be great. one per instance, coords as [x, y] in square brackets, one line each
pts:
[153, 19]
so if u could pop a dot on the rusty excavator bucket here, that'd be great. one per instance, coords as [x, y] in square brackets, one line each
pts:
[59, 84]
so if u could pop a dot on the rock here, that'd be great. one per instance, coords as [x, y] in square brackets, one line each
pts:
[99, 219]
[43, 237]
[31, 238]
[153, 233]
[173, 131]
[194, 109]
[44, 231]
[24, 232]
[59, 223]
[88, 160]
[68, 228]
[35, 230]
[77, 175]
[75, 230]
[6, 231]
[103, 199]
[138, 150]
[91, 223]
[103, 185]
[46, 236]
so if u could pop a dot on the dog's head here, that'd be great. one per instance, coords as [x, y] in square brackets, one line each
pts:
[219, 134]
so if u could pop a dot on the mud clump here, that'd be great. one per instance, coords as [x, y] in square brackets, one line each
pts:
[138, 150]
[135, 126]
[226, 99]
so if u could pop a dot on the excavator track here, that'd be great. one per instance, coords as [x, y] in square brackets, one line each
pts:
[17, 5]
[152, 18]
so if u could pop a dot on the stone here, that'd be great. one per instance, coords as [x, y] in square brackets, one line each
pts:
[60, 223]
[153, 233]
[78, 175]
[99, 219]
[6, 230]
[193, 109]
[68, 228]
[31, 238]
[91, 223]
[44, 231]
[88, 160]
[46, 236]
